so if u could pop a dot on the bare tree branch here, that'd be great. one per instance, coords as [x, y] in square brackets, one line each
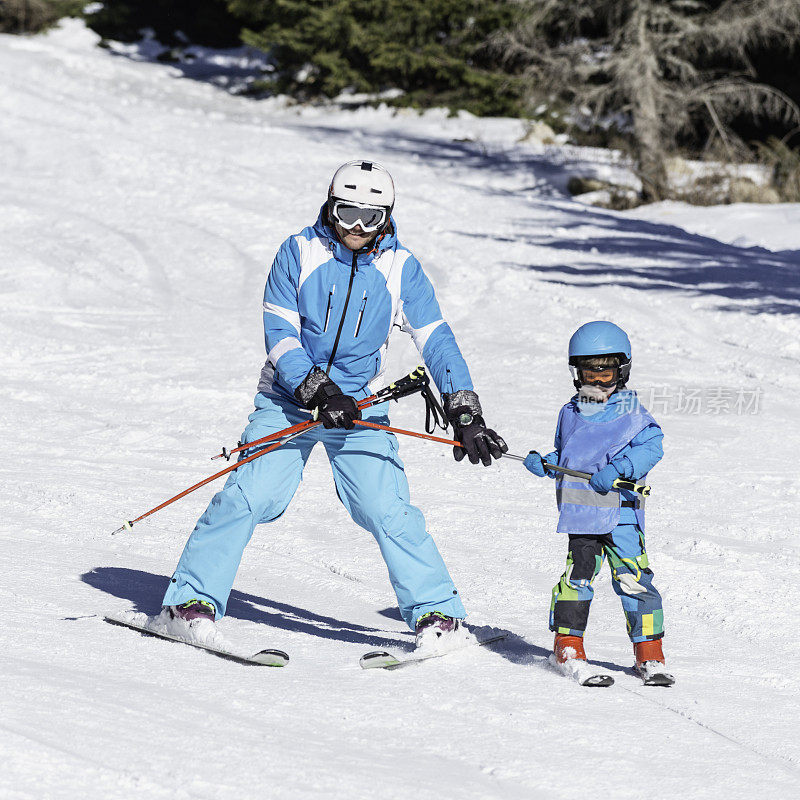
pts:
[650, 60]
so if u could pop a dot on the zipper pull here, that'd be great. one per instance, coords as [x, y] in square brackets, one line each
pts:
[328, 310]
[361, 313]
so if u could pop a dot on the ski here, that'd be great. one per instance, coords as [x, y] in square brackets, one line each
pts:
[381, 659]
[651, 674]
[263, 658]
[582, 672]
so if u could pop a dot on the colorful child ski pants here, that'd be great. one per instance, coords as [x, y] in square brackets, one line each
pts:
[631, 577]
[371, 484]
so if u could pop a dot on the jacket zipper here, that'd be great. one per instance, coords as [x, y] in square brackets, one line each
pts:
[361, 313]
[328, 310]
[353, 268]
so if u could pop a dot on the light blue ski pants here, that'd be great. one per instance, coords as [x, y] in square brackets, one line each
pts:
[371, 484]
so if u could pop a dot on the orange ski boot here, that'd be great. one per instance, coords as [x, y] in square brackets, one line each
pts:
[566, 647]
[650, 663]
[571, 660]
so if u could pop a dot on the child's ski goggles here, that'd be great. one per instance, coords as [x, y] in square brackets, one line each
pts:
[349, 214]
[605, 376]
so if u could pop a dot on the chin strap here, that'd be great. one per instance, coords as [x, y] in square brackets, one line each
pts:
[377, 240]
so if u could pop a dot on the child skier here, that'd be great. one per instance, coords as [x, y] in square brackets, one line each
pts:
[604, 430]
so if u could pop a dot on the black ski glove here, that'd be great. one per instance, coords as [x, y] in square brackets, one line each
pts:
[463, 409]
[332, 408]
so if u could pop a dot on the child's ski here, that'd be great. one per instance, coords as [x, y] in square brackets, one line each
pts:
[581, 672]
[380, 659]
[652, 675]
[263, 658]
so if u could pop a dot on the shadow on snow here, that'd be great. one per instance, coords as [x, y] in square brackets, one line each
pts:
[145, 590]
[645, 255]
[518, 650]
[619, 250]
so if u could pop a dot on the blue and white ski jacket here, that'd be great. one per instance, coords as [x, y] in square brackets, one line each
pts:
[326, 306]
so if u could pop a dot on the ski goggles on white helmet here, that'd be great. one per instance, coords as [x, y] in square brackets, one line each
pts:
[349, 214]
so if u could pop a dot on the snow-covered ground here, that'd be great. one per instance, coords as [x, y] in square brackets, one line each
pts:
[139, 212]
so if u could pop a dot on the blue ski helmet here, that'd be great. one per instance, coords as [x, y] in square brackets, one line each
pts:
[601, 338]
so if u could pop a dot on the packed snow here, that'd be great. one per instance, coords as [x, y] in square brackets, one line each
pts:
[139, 213]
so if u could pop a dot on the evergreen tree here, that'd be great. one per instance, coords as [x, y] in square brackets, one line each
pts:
[434, 50]
[662, 63]
[203, 22]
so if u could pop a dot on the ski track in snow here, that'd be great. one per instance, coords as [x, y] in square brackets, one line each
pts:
[139, 213]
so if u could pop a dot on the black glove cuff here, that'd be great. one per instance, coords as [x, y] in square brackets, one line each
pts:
[464, 401]
[316, 388]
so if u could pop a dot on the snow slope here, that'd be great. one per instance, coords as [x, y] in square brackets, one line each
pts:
[139, 212]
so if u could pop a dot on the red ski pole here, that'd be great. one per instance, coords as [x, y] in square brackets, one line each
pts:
[411, 383]
[299, 428]
[620, 483]
[130, 523]
[380, 427]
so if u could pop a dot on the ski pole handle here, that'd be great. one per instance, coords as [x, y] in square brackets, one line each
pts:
[619, 483]
[631, 486]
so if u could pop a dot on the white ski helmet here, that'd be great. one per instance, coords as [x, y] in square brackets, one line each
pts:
[363, 184]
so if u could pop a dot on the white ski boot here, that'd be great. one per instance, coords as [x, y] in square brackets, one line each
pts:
[438, 633]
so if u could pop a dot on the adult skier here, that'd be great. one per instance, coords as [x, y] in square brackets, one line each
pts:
[334, 294]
